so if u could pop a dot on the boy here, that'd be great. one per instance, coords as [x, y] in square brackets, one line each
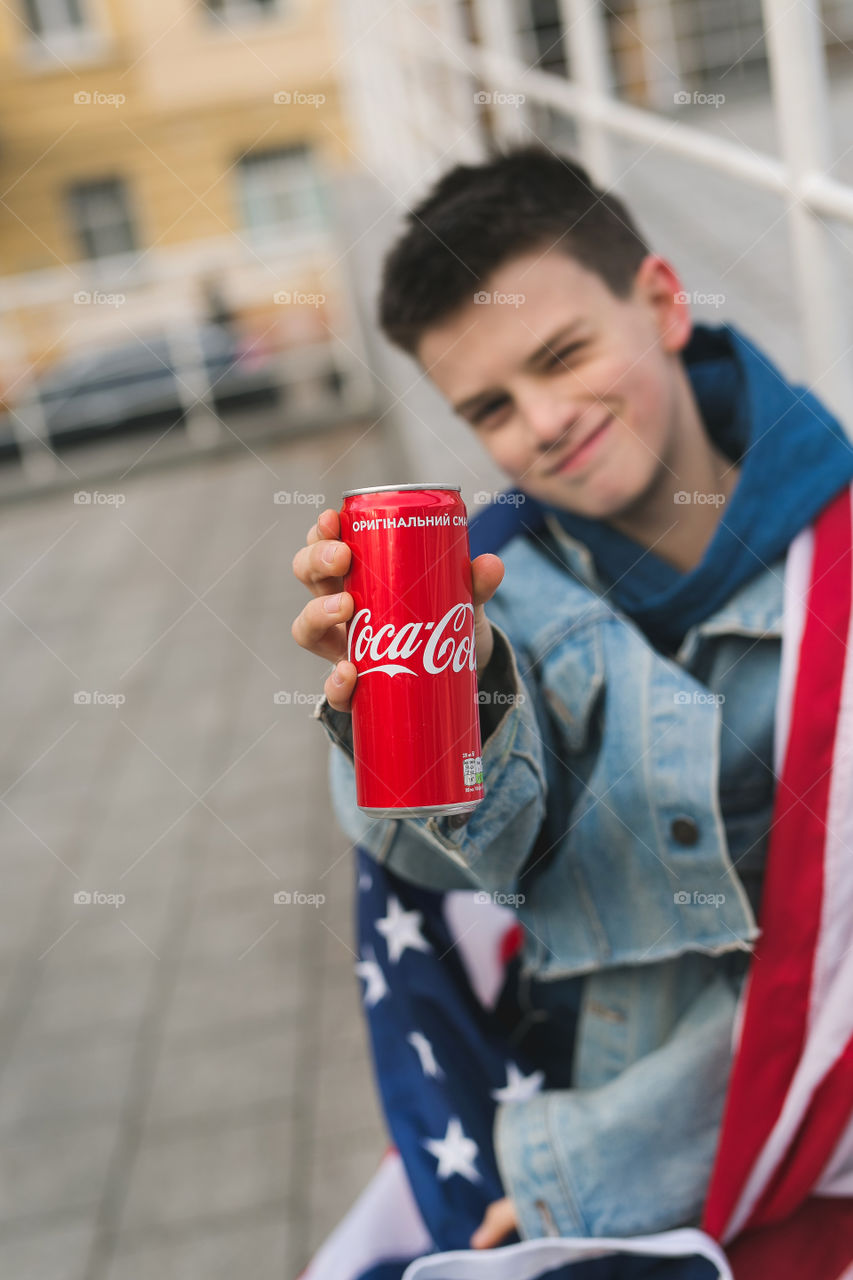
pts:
[638, 611]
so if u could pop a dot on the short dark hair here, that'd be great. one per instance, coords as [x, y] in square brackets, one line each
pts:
[478, 217]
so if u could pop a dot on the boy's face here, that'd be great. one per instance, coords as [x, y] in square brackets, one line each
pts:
[574, 392]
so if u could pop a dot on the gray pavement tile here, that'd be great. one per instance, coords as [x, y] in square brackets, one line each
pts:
[77, 1000]
[55, 1172]
[209, 1173]
[47, 1252]
[47, 1086]
[222, 998]
[255, 1251]
[210, 1079]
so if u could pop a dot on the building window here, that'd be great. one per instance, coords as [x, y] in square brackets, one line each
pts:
[100, 217]
[280, 188]
[228, 11]
[54, 17]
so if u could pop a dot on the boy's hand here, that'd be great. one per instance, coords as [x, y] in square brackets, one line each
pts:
[500, 1219]
[321, 626]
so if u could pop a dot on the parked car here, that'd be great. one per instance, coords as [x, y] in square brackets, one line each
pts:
[134, 386]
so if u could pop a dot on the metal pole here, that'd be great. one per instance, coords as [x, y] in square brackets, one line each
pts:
[589, 68]
[799, 81]
[497, 31]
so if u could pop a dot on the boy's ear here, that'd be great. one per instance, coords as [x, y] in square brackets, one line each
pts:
[658, 286]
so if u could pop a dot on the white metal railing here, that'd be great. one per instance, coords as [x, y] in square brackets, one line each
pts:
[407, 125]
[161, 295]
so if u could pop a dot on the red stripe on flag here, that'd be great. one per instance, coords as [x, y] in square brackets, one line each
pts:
[826, 1119]
[815, 1243]
[777, 999]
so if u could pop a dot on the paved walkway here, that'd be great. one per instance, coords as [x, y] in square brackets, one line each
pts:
[185, 1089]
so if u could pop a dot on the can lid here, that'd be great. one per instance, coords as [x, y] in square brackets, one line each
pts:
[400, 488]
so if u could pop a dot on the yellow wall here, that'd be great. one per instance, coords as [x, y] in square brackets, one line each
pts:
[196, 96]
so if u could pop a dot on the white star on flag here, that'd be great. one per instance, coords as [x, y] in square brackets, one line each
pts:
[401, 929]
[454, 1152]
[518, 1087]
[365, 880]
[424, 1050]
[377, 987]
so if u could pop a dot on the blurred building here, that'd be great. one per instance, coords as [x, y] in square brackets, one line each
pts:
[164, 166]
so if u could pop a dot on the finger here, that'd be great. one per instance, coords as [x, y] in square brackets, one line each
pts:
[321, 566]
[328, 526]
[340, 685]
[498, 1222]
[320, 629]
[487, 573]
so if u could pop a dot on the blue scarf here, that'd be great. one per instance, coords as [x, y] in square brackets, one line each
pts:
[794, 457]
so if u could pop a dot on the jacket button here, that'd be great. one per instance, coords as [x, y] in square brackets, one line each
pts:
[684, 831]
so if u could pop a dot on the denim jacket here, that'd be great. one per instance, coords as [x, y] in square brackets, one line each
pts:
[628, 800]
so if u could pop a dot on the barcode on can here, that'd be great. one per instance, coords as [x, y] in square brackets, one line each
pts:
[473, 770]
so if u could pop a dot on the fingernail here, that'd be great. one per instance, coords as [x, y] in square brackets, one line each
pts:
[336, 677]
[332, 603]
[329, 553]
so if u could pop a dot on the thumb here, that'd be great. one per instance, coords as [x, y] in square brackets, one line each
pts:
[487, 573]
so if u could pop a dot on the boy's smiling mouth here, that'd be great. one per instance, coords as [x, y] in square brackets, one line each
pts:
[582, 450]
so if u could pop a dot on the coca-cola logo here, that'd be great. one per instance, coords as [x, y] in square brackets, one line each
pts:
[448, 643]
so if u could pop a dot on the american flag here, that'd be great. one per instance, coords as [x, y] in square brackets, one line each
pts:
[433, 967]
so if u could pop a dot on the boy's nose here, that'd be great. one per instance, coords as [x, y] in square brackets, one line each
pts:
[549, 421]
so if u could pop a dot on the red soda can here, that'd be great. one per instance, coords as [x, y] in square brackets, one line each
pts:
[415, 715]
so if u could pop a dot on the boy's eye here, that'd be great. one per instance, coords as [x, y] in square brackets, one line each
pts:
[488, 409]
[561, 356]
